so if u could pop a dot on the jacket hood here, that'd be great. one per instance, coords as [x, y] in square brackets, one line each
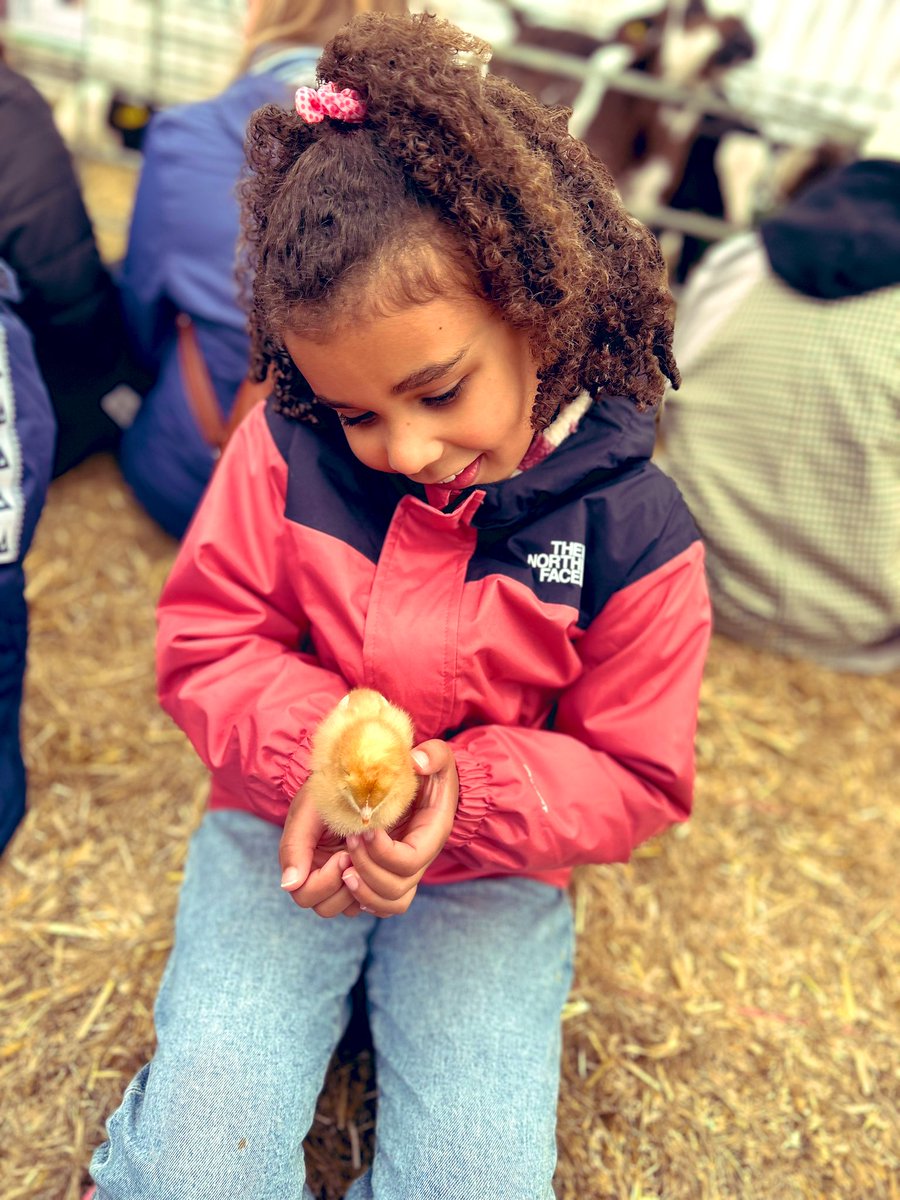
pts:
[842, 236]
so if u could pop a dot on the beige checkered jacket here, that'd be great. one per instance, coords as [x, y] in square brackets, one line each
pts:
[785, 440]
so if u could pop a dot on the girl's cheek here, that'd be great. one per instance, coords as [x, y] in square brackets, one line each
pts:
[368, 454]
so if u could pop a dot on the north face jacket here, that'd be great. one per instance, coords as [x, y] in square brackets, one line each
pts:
[552, 627]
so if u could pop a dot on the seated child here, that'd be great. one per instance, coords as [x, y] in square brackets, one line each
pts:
[449, 500]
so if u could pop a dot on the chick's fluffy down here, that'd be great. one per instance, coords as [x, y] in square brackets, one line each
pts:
[362, 773]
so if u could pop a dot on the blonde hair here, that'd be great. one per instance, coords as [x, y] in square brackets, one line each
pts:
[305, 22]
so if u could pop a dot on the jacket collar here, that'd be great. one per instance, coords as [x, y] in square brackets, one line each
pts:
[289, 62]
[611, 439]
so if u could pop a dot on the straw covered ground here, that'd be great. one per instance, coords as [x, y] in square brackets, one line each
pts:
[732, 1029]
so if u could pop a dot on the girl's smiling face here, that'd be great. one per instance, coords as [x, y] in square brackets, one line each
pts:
[441, 391]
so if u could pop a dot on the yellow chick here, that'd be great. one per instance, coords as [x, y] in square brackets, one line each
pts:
[362, 772]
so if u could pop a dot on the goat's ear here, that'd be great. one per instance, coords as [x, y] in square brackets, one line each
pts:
[738, 43]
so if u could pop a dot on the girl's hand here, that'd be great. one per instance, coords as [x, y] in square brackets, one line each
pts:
[385, 871]
[313, 860]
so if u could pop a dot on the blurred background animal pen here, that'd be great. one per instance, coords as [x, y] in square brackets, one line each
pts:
[708, 112]
[732, 1032]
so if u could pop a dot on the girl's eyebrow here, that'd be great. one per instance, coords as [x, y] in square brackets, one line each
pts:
[426, 375]
[330, 403]
[415, 379]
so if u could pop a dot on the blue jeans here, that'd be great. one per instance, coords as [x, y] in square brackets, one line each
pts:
[464, 993]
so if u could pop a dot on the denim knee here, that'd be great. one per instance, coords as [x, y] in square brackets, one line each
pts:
[215, 1131]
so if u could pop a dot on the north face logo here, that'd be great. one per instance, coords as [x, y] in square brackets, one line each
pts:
[564, 563]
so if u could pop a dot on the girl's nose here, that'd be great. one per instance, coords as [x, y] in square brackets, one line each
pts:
[410, 450]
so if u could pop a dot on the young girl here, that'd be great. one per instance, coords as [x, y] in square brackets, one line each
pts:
[448, 499]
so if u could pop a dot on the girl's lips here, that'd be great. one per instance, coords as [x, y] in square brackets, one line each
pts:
[464, 478]
[440, 494]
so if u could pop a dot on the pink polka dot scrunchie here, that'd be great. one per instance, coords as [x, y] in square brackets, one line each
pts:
[314, 104]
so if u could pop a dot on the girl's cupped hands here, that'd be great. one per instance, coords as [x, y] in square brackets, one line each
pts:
[377, 872]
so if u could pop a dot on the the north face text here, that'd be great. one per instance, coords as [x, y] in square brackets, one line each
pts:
[564, 563]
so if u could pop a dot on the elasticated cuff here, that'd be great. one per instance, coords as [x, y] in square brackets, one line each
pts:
[475, 797]
[296, 769]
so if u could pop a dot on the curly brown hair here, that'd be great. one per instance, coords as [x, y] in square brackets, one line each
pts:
[448, 158]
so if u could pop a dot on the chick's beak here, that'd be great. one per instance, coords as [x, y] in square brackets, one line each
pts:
[366, 814]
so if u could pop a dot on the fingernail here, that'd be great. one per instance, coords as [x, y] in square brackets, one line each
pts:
[420, 758]
[290, 878]
[368, 835]
[362, 908]
[351, 879]
[352, 841]
[344, 861]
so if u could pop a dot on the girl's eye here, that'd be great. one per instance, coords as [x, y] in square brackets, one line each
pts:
[429, 401]
[362, 419]
[444, 398]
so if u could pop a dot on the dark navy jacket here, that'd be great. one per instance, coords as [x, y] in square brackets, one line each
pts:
[67, 299]
[27, 436]
[181, 258]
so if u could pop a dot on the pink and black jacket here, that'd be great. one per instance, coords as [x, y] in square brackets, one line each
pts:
[552, 627]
